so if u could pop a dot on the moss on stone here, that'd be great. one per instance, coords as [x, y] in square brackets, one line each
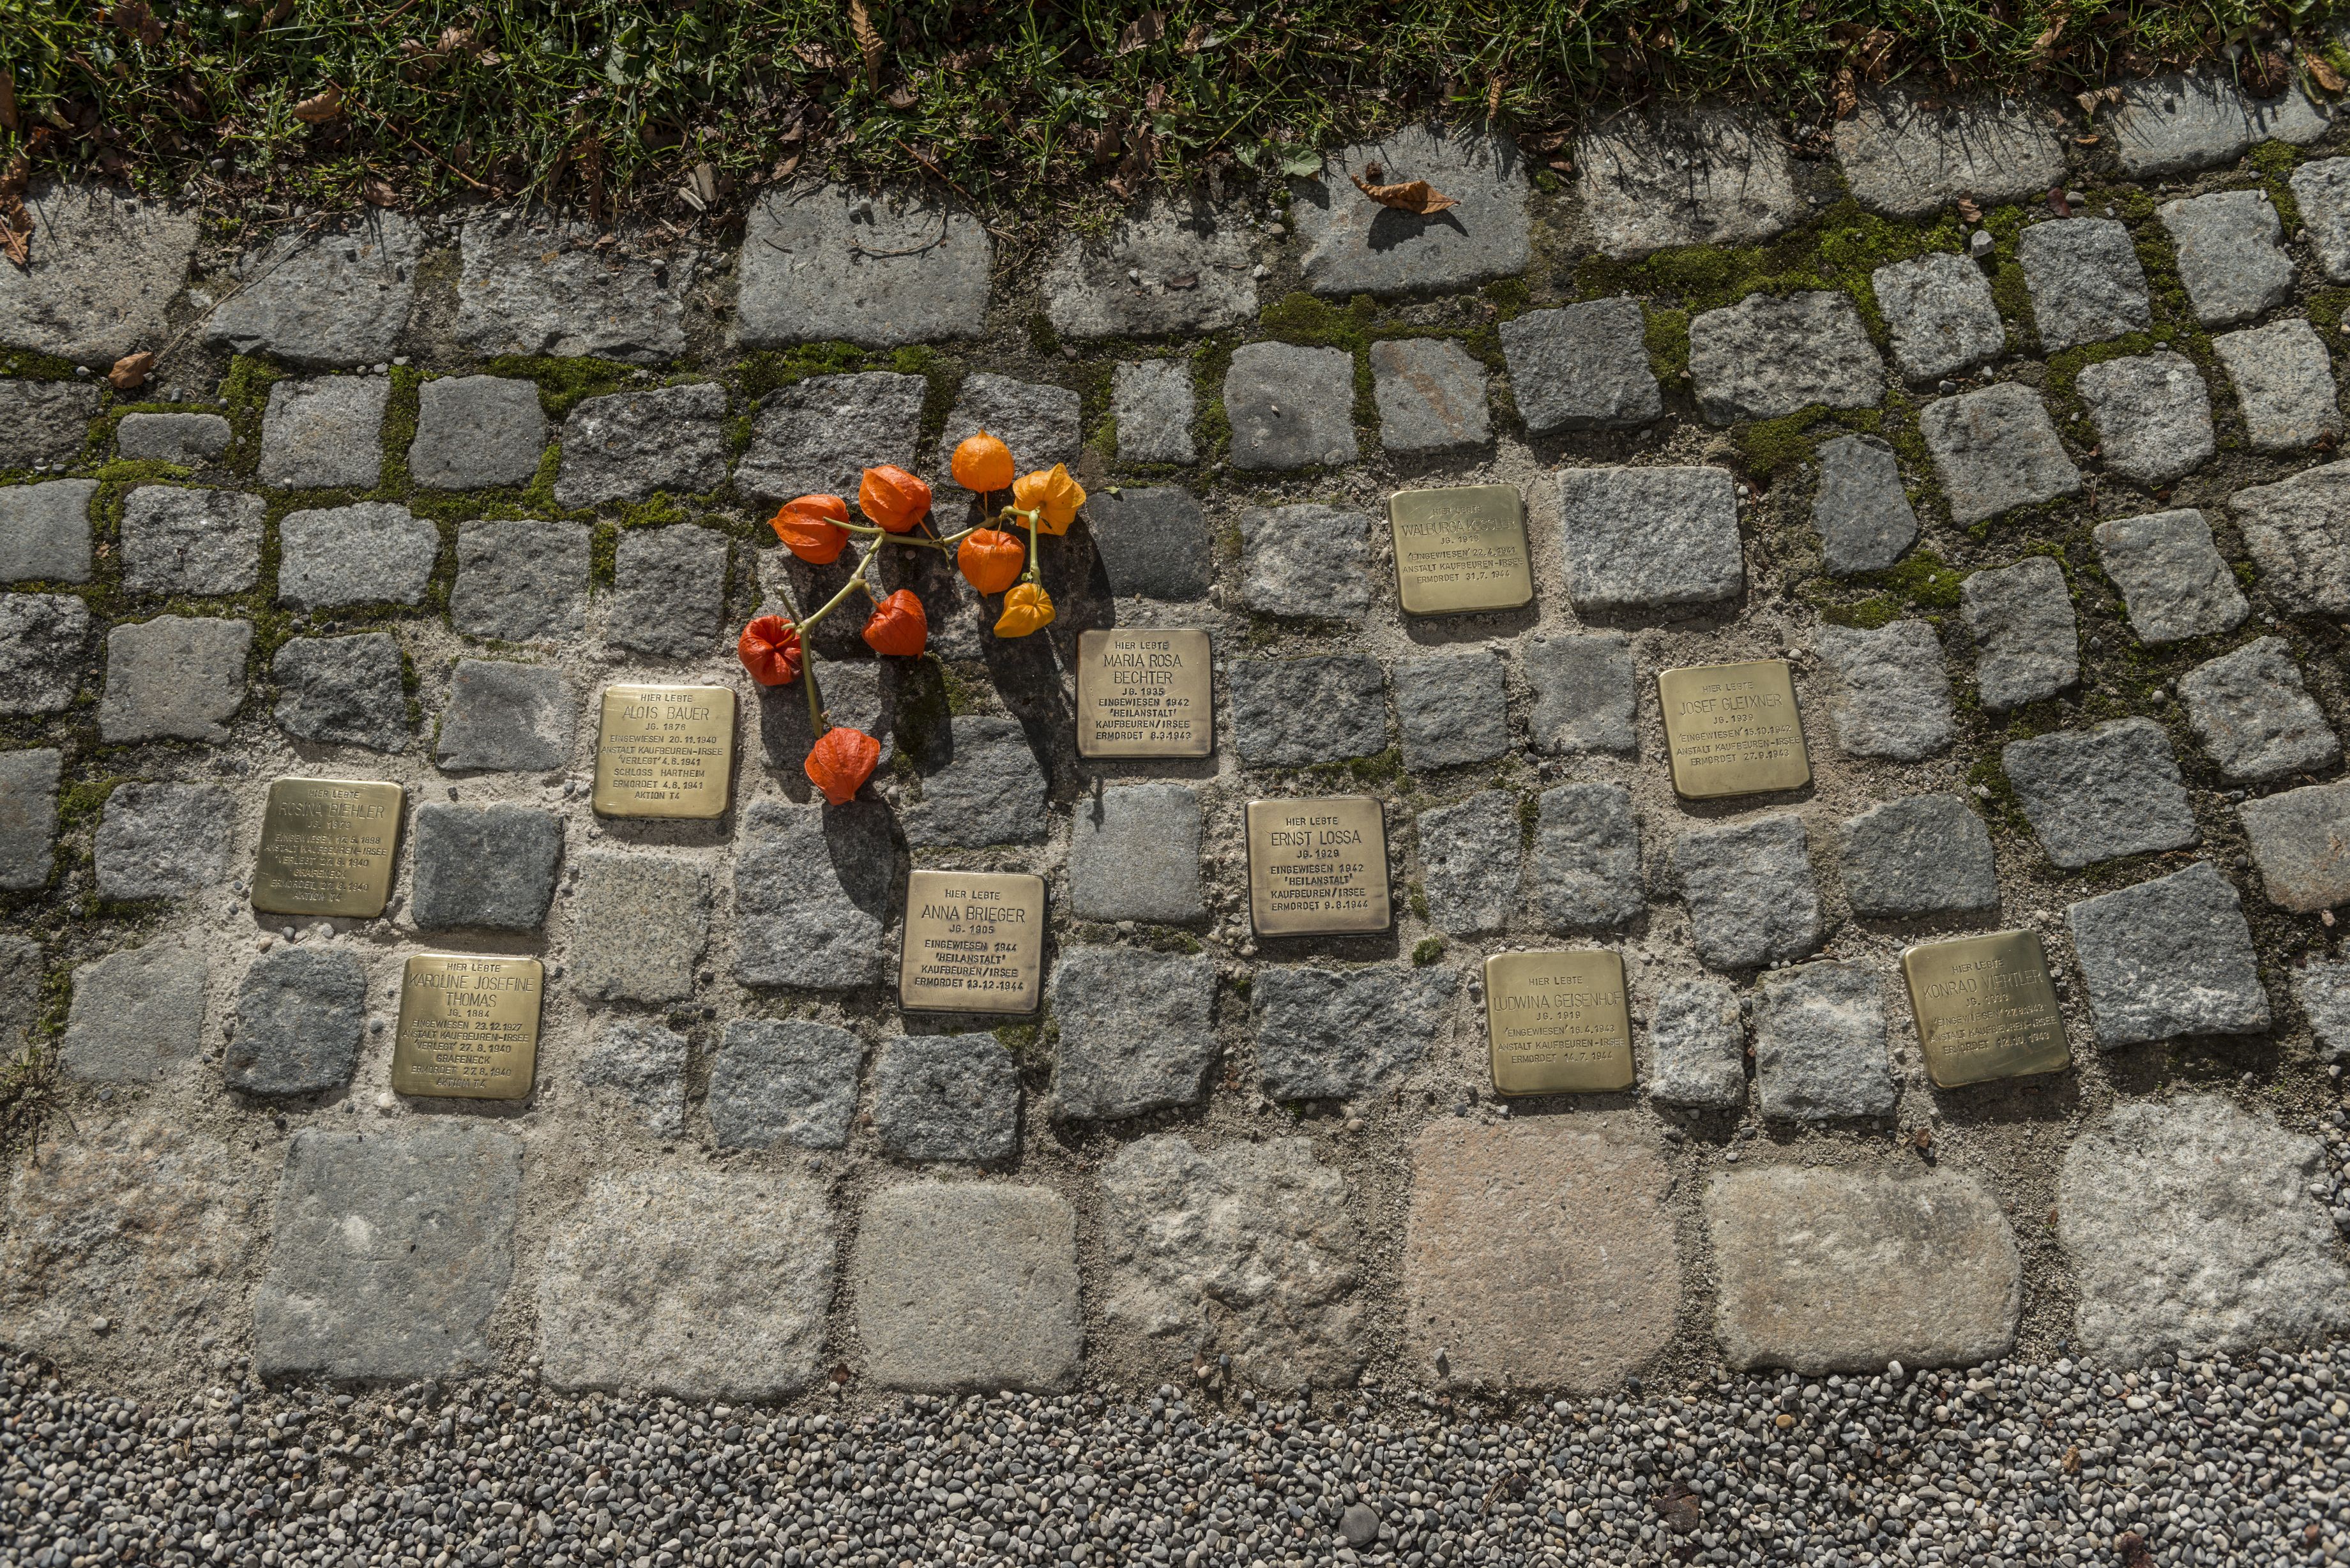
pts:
[1427, 951]
[563, 384]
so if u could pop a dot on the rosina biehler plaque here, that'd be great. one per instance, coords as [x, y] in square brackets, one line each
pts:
[665, 750]
[1986, 1008]
[468, 1026]
[1733, 729]
[975, 943]
[1317, 867]
[1144, 693]
[1557, 1023]
[1460, 549]
[327, 847]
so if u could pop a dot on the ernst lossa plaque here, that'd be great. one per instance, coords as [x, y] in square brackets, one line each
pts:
[468, 1026]
[1144, 693]
[664, 751]
[327, 847]
[1556, 1022]
[1460, 549]
[1317, 867]
[973, 942]
[1986, 1008]
[1733, 729]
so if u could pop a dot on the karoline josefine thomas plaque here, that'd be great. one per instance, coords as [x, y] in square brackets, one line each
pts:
[1460, 549]
[327, 847]
[1986, 1008]
[1556, 1022]
[468, 1026]
[1733, 729]
[1317, 867]
[973, 942]
[1144, 693]
[664, 751]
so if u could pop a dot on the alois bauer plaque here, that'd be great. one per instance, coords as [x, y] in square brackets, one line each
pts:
[1460, 549]
[327, 847]
[664, 751]
[468, 1026]
[1556, 1022]
[1986, 1008]
[975, 943]
[1733, 729]
[1317, 867]
[1144, 693]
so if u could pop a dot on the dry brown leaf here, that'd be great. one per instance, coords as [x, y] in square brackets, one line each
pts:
[8, 120]
[138, 21]
[1193, 40]
[17, 244]
[378, 192]
[320, 109]
[1142, 32]
[1848, 92]
[2322, 69]
[130, 372]
[1494, 96]
[784, 167]
[900, 97]
[1970, 209]
[1415, 196]
[868, 40]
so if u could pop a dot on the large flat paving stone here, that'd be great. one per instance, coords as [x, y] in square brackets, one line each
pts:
[104, 268]
[136, 1014]
[1354, 245]
[1696, 1046]
[828, 262]
[1582, 366]
[1154, 402]
[1134, 855]
[1039, 421]
[1172, 267]
[1996, 450]
[2097, 794]
[2284, 385]
[1909, 156]
[966, 1287]
[1290, 407]
[1769, 356]
[946, 1097]
[2027, 642]
[179, 541]
[1583, 869]
[325, 433]
[476, 432]
[638, 925]
[668, 591]
[1328, 1034]
[1819, 1043]
[2152, 413]
[1922, 855]
[2254, 715]
[1153, 541]
[1538, 1254]
[486, 866]
[528, 285]
[818, 436]
[2169, 957]
[342, 690]
[44, 530]
[1939, 311]
[2191, 1233]
[1430, 396]
[1306, 563]
[2298, 534]
[1239, 1250]
[326, 298]
[2320, 189]
[371, 552]
[1469, 856]
[2173, 580]
[703, 1283]
[44, 421]
[2300, 839]
[28, 816]
[1750, 891]
[1650, 538]
[1453, 708]
[2085, 281]
[626, 446]
[2231, 256]
[43, 640]
[812, 888]
[2176, 124]
[991, 791]
[300, 1015]
[521, 581]
[643, 1064]
[790, 1083]
[190, 440]
[1845, 1270]
[1293, 712]
[1861, 509]
[1586, 692]
[164, 840]
[1684, 176]
[505, 717]
[128, 1240]
[389, 1252]
[1137, 1031]
[1889, 694]
[173, 678]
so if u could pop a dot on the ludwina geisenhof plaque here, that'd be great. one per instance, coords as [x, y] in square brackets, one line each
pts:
[1318, 867]
[664, 751]
[327, 847]
[973, 942]
[1460, 549]
[1556, 1022]
[1144, 692]
[1986, 1008]
[468, 1026]
[1733, 729]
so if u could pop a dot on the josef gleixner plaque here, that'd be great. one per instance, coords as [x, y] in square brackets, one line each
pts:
[1733, 729]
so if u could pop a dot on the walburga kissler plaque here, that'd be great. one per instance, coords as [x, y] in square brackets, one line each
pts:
[1460, 549]
[1144, 692]
[327, 847]
[1733, 729]
[468, 1026]
[664, 751]
[1318, 867]
[973, 942]
[1986, 1008]
[1556, 1022]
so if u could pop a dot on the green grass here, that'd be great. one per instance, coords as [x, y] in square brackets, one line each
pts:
[611, 104]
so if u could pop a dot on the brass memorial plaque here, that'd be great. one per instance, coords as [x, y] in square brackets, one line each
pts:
[1460, 549]
[1733, 729]
[468, 1026]
[665, 750]
[1985, 1008]
[327, 847]
[1556, 1022]
[975, 943]
[1144, 693]
[1317, 867]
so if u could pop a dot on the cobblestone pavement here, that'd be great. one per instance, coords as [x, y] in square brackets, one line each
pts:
[2012, 430]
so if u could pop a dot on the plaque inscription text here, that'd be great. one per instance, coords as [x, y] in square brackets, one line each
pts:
[1986, 1008]
[1144, 693]
[468, 1026]
[1556, 1022]
[326, 848]
[1460, 549]
[664, 751]
[1317, 866]
[973, 942]
[1733, 729]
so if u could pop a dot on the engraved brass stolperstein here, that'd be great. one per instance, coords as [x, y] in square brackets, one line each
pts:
[1556, 1022]
[1733, 729]
[1460, 549]
[1986, 1008]
[664, 751]
[1144, 693]
[327, 847]
[1317, 867]
[973, 942]
[468, 1026]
